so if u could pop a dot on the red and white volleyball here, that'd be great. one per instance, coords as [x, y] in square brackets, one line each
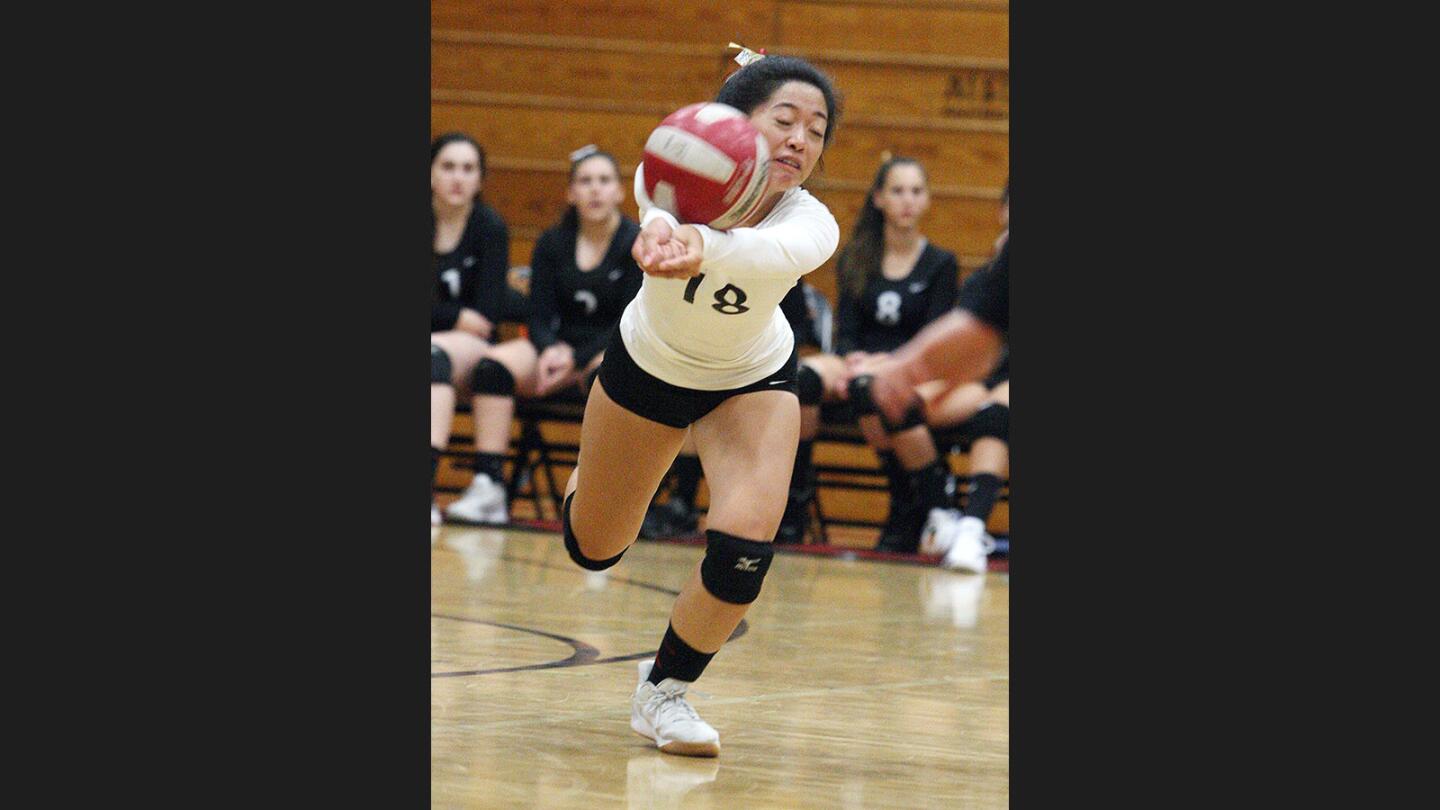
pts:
[707, 164]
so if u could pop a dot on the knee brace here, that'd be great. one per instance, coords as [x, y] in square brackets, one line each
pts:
[860, 401]
[440, 366]
[863, 405]
[992, 420]
[493, 379]
[734, 568]
[812, 388]
[573, 546]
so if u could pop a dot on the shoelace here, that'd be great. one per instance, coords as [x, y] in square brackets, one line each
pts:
[666, 703]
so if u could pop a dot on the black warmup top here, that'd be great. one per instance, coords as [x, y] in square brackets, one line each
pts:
[797, 312]
[986, 293]
[580, 308]
[473, 275]
[888, 313]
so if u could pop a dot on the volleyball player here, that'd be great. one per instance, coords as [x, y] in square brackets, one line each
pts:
[962, 346]
[981, 410]
[581, 278]
[893, 281]
[472, 257]
[705, 346]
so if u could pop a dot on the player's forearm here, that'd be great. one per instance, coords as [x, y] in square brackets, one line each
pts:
[957, 347]
[790, 249]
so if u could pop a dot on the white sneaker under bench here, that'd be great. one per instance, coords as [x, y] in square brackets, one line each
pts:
[661, 713]
[967, 546]
[483, 501]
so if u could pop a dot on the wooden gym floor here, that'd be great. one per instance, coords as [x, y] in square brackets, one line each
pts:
[851, 683]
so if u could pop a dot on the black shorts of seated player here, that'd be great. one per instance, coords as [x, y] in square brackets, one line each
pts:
[637, 391]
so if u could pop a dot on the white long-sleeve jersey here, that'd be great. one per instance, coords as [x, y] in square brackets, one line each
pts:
[723, 328]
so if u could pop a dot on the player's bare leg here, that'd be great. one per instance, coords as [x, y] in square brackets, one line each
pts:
[465, 350]
[507, 369]
[613, 478]
[461, 350]
[442, 414]
[494, 414]
[962, 537]
[740, 445]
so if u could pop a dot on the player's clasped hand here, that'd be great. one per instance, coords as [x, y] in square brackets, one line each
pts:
[553, 368]
[668, 253]
[892, 388]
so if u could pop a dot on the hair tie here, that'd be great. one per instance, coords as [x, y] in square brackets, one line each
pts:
[746, 56]
[583, 152]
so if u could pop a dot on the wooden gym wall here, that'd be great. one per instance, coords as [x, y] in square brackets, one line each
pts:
[533, 80]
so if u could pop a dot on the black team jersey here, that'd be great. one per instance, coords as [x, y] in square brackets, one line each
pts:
[578, 308]
[986, 293]
[889, 313]
[473, 275]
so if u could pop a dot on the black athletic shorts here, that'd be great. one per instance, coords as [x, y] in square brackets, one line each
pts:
[640, 392]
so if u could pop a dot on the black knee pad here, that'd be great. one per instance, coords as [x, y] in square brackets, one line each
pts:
[493, 379]
[992, 420]
[812, 388]
[573, 546]
[860, 401]
[863, 405]
[734, 568]
[440, 366]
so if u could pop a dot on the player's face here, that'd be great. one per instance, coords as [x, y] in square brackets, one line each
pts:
[905, 196]
[595, 192]
[455, 174]
[793, 122]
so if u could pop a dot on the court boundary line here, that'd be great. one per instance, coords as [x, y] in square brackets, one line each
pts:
[584, 654]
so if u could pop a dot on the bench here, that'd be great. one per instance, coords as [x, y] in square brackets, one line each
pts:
[545, 446]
